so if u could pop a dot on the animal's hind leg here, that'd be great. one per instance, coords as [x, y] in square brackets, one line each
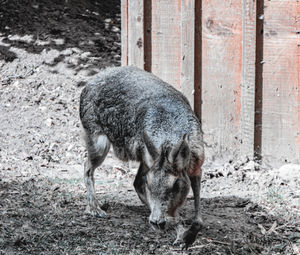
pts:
[97, 148]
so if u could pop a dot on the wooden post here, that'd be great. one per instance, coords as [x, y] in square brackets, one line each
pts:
[198, 60]
[147, 35]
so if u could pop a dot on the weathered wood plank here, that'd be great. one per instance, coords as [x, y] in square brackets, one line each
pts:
[248, 78]
[198, 60]
[124, 32]
[281, 100]
[259, 77]
[221, 76]
[187, 49]
[147, 35]
[136, 33]
[166, 49]
[297, 88]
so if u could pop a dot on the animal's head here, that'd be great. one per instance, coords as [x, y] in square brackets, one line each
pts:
[167, 183]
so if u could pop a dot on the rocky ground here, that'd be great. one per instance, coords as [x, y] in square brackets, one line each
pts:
[48, 50]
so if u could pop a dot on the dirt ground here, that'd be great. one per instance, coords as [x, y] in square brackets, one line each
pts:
[48, 49]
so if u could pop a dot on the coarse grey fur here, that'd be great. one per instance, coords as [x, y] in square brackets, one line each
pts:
[146, 120]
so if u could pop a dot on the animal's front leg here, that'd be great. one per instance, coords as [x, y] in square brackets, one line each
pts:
[188, 237]
[191, 234]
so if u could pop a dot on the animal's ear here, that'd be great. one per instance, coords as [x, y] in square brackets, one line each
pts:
[151, 153]
[179, 155]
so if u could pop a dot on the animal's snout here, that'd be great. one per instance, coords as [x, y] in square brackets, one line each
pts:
[160, 225]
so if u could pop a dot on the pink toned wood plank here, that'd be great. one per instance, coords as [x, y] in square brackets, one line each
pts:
[221, 76]
[248, 78]
[281, 103]
[136, 33]
[187, 49]
[166, 34]
[124, 32]
[297, 93]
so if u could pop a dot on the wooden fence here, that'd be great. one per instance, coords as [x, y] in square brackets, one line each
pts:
[237, 61]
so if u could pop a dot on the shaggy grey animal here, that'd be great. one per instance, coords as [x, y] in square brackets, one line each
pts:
[146, 120]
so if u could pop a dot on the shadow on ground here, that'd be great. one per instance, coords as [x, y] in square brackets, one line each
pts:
[91, 26]
[45, 217]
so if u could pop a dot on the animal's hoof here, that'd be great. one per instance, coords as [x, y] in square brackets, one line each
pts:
[189, 238]
[185, 238]
[190, 235]
[96, 211]
[184, 243]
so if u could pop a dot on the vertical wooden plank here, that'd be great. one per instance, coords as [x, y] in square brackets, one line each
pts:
[166, 49]
[187, 49]
[198, 60]
[259, 77]
[281, 106]
[221, 76]
[136, 33]
[147, 35]
[124, 32]
[248, 78]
